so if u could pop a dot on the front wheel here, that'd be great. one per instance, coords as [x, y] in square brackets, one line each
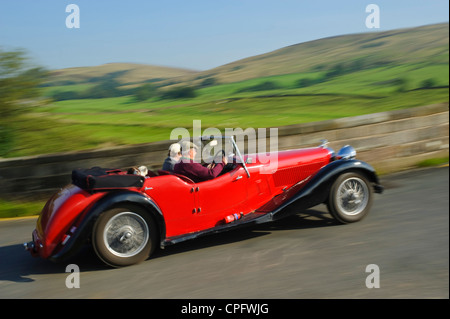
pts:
[124, 236]
[350, 198]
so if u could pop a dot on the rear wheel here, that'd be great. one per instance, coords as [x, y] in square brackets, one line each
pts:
[350, 198]
[124, 236]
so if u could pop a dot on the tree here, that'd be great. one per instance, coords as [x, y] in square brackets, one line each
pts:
[208, 82]
[104, 89]
[144, 92]
[17, 83]
[305, 82]
[264, 86]
[428, 84]
[65, 95]
[338, 69]
[402, 84]
[182, 92]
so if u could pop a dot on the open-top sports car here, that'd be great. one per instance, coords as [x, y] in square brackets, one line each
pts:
[126, 216]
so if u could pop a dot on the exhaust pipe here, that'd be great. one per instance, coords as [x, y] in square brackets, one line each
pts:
[29, 246]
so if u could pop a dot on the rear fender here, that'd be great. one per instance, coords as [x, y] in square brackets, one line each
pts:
[110, 200]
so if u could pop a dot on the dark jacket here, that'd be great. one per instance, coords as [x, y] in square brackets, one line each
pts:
[196, 171]
[169, 164]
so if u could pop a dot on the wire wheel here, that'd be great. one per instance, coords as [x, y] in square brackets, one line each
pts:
[350, 198]
[353, 196]
[124, 236]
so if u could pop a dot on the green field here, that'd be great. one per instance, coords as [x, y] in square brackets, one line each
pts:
[83, 124]
[90, 123]
[324, 79]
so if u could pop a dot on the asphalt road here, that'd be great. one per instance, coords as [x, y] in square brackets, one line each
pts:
[304, 256]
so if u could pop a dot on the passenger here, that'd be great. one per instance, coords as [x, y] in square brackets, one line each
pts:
[196, 171]
[141, 170]
[172, 158]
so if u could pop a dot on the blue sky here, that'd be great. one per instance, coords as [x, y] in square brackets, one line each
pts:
[194, 34]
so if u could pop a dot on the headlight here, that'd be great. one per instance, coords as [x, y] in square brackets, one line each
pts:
[347, 152]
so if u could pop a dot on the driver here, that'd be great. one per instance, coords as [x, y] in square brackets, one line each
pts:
[196, 171]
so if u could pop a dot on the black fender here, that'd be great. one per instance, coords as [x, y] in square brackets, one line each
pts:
[111, 199]
[316, 191]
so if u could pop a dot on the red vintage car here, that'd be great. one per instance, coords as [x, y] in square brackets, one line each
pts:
[125, 217]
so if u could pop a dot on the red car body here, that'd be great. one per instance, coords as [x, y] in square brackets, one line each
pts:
[173, 208]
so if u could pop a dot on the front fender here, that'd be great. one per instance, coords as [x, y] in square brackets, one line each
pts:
[331, 171]
[84, 230]
[317, 189]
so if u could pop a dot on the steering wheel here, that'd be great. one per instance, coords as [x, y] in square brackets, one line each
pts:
[221, 152]
[231, 161]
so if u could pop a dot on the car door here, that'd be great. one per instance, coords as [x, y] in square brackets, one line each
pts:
[176, 198]
[220, 197]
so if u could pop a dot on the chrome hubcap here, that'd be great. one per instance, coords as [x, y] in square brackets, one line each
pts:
[126, 234]
[352, 196]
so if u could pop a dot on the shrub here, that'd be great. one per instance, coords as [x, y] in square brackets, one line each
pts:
[183, 92]
[65, 95]
[428, 84]
[305, 82]
[6, 140]
[208, 82]
[145, 92]
[264, 86]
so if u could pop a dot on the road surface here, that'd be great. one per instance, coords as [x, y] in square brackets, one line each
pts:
[405, 237]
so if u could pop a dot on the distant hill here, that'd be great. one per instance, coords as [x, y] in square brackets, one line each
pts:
[330, 78]
[425, 44]
[403, 46]
[124, 73]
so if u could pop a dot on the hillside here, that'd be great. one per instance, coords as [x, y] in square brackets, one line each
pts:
[361, 51]
[366, 50]
[124, 73]
[326, 79]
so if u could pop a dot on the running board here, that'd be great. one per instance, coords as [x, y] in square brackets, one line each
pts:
[246, 220]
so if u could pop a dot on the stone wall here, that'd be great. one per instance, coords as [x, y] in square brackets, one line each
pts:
[390, 141]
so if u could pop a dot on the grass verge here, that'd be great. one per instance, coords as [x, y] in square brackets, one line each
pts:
[10, 209]
[432, 162]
